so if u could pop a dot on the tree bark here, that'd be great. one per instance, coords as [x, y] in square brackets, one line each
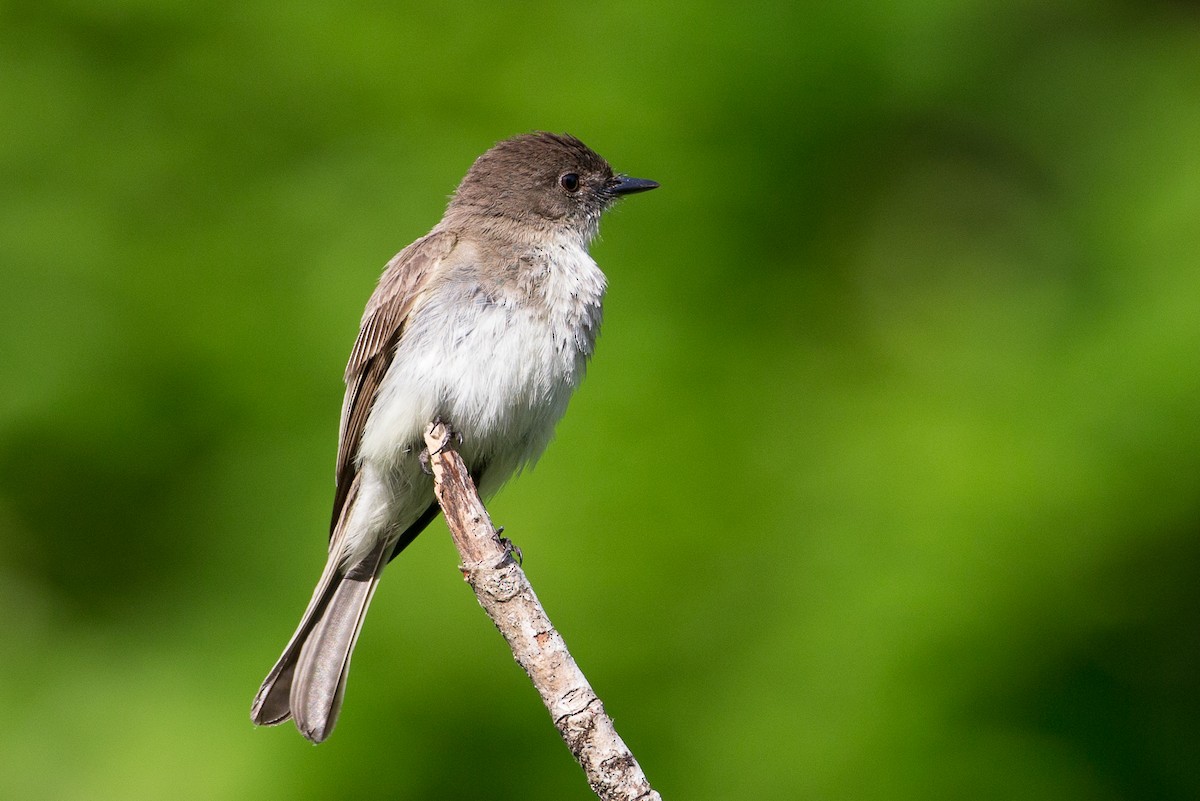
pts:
[506, 595]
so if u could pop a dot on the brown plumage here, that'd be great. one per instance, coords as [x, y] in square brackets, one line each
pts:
[486, 323]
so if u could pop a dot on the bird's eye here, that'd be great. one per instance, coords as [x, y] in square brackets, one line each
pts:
[569, 181]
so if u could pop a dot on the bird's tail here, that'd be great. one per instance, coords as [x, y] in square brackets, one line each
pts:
[308, 681]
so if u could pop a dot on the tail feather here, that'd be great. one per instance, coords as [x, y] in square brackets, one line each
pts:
[319, 678]
[309, 680]
[272, 704]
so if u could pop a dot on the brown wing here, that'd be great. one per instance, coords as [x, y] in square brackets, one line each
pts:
[382, 324]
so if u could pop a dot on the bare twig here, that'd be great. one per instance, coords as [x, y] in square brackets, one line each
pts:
[506, 596]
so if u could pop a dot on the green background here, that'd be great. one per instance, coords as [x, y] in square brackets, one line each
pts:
[883, 484]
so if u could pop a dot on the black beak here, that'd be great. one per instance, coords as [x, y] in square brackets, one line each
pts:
[622, 185]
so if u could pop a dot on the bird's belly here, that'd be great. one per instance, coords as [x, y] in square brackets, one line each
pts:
[500, 375]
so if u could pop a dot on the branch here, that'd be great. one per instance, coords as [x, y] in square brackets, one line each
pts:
[506, 596]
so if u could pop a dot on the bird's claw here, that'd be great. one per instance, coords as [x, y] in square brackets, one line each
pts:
[511, 549]
[448, 433]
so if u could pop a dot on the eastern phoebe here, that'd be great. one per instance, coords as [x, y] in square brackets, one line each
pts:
[486, 324]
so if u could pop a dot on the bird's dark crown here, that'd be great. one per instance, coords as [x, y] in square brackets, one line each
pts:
[540, 176]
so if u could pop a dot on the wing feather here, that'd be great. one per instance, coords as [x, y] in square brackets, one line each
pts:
[395, 297]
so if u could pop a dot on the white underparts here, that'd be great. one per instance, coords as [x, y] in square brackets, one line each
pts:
[496, 354]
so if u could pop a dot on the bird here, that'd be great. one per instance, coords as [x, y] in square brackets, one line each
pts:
[485, 324]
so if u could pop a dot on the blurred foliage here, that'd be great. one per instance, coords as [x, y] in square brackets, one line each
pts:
[884, 483]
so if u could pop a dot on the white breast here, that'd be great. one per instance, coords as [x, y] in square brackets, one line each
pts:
[497, 359]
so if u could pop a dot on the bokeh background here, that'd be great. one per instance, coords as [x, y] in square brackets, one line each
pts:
[883, 484]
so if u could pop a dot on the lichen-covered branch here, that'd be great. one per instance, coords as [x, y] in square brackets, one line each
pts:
[505, 594]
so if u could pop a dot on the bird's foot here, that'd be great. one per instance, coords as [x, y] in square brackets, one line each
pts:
[511, 550]
[447, 434]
